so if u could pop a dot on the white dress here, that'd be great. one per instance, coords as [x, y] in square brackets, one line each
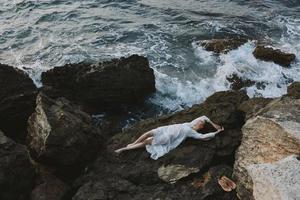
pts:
[166, 138]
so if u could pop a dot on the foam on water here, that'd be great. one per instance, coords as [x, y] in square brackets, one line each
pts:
[45, 35]
[241, 61]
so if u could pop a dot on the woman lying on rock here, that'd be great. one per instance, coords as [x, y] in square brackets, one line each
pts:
[163, 139]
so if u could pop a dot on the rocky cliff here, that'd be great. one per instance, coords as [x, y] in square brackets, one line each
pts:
[269, 137]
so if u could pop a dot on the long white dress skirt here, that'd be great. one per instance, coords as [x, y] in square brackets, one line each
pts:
[166, 138]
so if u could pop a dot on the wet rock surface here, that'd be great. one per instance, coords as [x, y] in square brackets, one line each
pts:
[49, 188]
[272, 134]
[222, 45]
[63, 142]
[238, 83]
[138, 173]
[16, 172]
[60, 134]
[275, 55]
[294, 90]
[110, 84]
[17, 101]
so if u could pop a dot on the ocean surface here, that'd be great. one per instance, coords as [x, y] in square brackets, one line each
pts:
[40, 34]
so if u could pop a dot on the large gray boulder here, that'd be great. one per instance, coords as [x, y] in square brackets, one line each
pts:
[61, 135]
[17, 101]
[271, 135]
[110, 84]
[278, 180]
[16, 171]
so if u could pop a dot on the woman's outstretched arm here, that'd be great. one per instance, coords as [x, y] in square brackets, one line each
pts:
[216, 126]
[200, 136]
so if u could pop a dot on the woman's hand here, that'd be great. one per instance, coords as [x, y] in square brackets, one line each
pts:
[221, 129]
[218, 127]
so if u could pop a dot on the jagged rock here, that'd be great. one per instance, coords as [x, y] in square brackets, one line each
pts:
[137, 168]
[222, 45]
[279, 180]
[61, 135]
[238, 83]
[253, 105]
[294, 90]
[124, 81]
[275, 55]
[103, 189]
[208, 184]
[271, 135]
[16, 172]
[17, 101]
[224, 112]
[49, 188]
[173, 173]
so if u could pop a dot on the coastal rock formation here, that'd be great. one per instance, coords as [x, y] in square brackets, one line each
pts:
[124, 81]
[173, 173]
[278, 180]
[238, 83]
[253, 105]
[294, 90]
[275, 55]
[49, 188]
[134, 175]
[222, 45]
[269, 136]
[16, 172]
[60, 134]
[208, 184]
[17, 101]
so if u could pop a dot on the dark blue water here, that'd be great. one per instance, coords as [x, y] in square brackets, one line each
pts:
[38, 35]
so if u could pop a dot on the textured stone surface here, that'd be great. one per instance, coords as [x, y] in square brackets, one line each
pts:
[271, 135]
[17, 101]
[173, 173]
[294, 90]
[16, 172]
[275, 55]
[253, 105]
[138, 173]
[277, 181]
[222, 45]
[110, 84]
[238, 83]
[208, 183]
[60, 134]
[49, 188]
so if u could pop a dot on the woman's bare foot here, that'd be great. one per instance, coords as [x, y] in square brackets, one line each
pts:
[118, 151]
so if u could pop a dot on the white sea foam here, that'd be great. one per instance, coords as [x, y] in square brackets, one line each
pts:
[33, 69]
[179, 84]
[241, 62]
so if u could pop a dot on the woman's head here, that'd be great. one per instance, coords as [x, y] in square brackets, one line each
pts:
[199, 125]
